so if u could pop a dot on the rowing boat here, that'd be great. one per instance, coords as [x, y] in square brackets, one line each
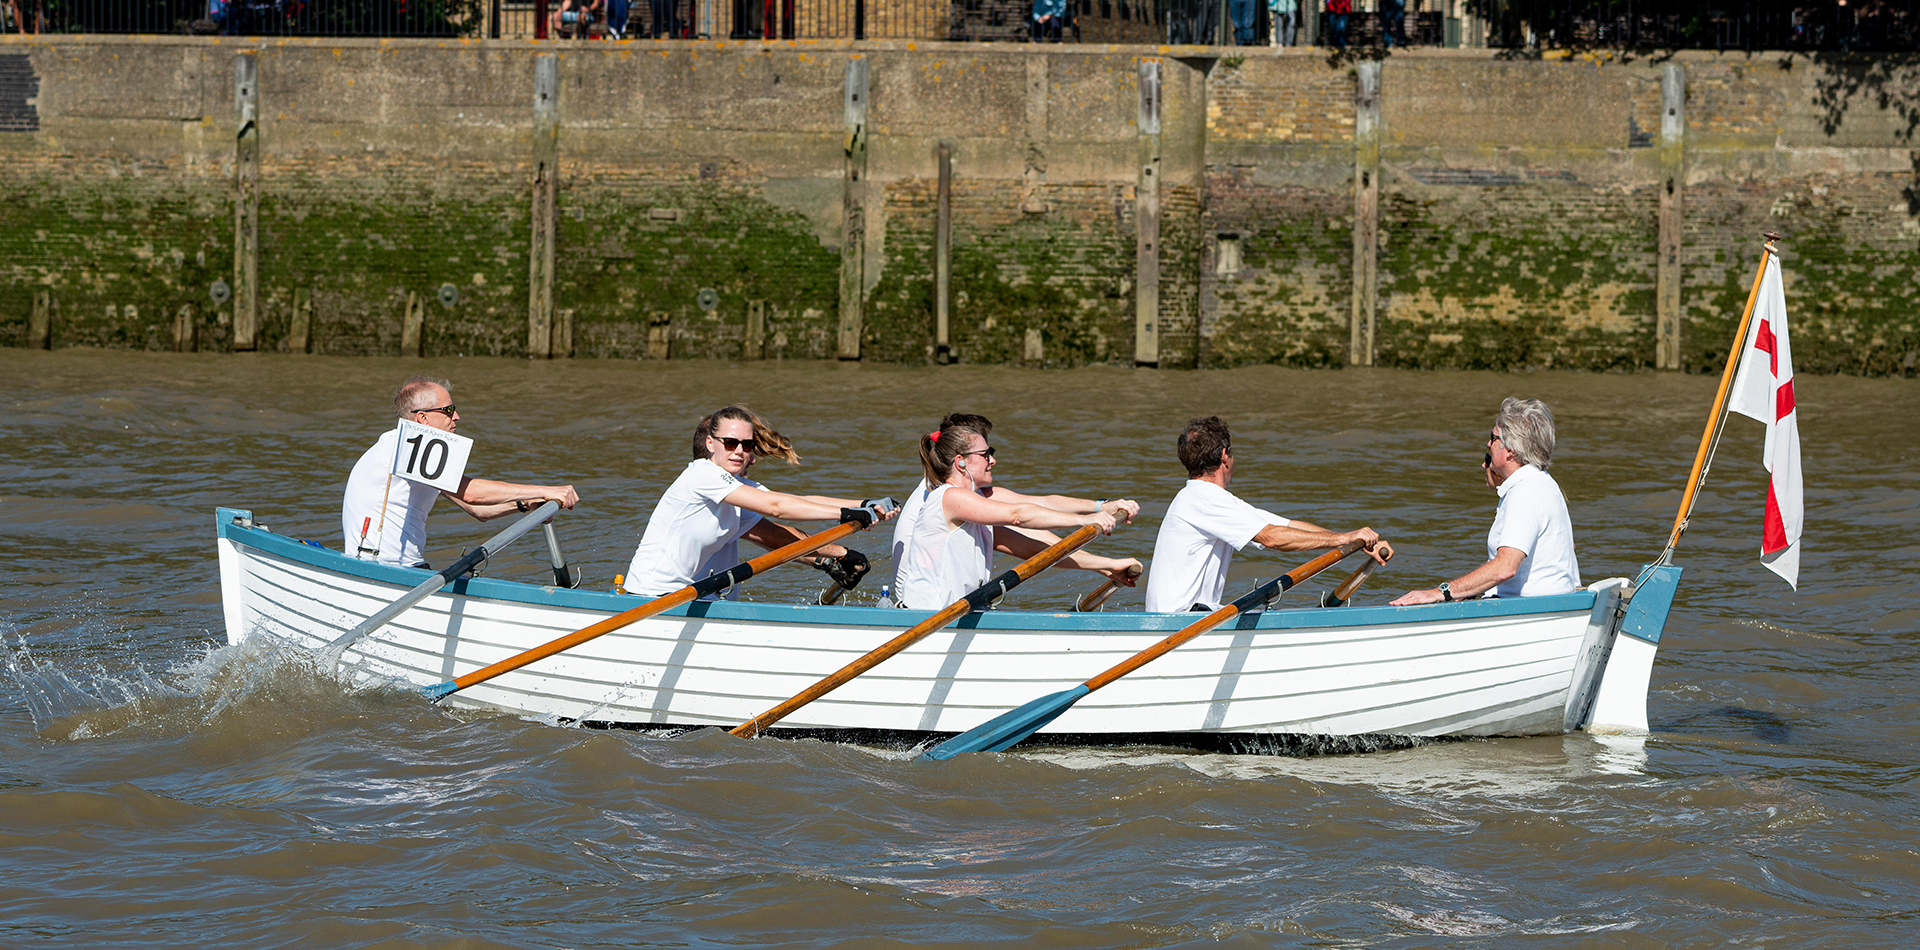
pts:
[1268, 681]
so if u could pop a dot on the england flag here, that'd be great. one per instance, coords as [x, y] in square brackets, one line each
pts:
[1763, 390]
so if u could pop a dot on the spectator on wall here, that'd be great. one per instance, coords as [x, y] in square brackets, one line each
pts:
[1242, 12]
[1393, 22]
[1049, 20]
[617, 12]
[1337, 11]
[1284, 14]
[662, 22]
[574, 17]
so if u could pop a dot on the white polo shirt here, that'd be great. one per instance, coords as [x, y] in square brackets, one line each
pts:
[1533, 519]
[393, 509]
[692, 533]
[1203, 526]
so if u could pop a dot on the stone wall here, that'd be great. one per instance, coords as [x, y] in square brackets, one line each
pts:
[698, 183]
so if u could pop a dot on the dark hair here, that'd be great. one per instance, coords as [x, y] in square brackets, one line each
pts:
[1202, 444]
[412, 396]
[770, 444]
[939, 448]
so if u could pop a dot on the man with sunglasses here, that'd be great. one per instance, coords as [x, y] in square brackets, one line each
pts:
[384, 516]
[1530, 549]
[1206, 523]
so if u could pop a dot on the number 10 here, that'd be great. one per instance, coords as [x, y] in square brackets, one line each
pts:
[428, 467]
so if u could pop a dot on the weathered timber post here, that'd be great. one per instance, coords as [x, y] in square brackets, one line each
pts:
[300, 332]
[753, 344]
[546, 168]
[1146, 218]
[186, 329]
[561, 346]
[1673, 154]
[413, 327]
[660, 336]
[853, 245]
[1366, 211]
[40, 323]
[246, 203]
[943, 258]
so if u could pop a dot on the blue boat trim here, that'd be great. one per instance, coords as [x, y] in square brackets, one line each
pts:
[1647, 613]
[848, 616]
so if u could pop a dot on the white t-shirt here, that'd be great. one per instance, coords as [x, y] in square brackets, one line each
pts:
[1532, 519]
[1203, 526]
[393, 509]
[904, 521]
[692, 533]
[939, 564]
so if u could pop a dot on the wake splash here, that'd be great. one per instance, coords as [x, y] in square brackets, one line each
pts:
[226, 686]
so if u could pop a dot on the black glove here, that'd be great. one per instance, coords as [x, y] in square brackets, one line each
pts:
[880, 504]
[847, 570]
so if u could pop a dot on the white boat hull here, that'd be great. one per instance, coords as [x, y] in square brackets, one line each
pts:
[1478, 668]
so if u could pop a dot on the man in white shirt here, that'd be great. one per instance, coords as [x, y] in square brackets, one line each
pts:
[384, 516]
[1530, 548]
[1206, 523]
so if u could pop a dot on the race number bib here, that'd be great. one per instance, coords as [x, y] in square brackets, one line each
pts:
[431, 456]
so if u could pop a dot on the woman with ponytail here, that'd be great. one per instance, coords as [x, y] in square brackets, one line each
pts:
[697, 525]
[957, 517]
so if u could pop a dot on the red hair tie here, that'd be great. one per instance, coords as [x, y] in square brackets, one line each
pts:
[933, 436]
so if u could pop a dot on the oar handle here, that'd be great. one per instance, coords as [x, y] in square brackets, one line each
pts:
[707, 585]
[1245, 602]
[1344, 592]
[979, 599]
[446, 575]
[1094, 598]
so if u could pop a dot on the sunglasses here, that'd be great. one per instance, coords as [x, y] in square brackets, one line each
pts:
[988, 452]
[447, 409]
[732, 444]
[1493, 437]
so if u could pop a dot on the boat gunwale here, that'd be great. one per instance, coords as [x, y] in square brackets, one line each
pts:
[328, 559]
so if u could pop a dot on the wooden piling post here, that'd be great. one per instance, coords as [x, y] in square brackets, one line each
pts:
[546, 161]
[943, 258]
[186, 329]
[413, 327]
[660, 336]
[1668, 276]
[1146, 217]
[853, 244]
[246, 204]
[753, 345]
[40, 322]
[300, 328]
[1033, 352]
[1366, 212]
[561, 346]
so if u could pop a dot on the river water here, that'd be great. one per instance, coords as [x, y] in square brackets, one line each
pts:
[161, 789]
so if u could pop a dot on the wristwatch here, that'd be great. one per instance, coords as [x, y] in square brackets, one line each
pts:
[1446, 591]
[520, 504]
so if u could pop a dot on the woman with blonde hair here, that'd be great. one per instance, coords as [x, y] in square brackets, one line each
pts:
[957, 518]
[696, 527]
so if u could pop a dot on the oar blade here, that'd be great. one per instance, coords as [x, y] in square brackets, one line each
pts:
[1006, 730]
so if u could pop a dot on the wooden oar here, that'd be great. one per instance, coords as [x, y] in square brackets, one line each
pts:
[711, 584]
[1006, 730]
[441, 578]
[1094, 598]
[977, 600]
[1344, 592]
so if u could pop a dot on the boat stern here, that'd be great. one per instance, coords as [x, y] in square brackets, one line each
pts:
[1621, 705]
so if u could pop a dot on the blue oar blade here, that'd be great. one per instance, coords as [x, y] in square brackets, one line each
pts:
[440, 691]
[1005, 731]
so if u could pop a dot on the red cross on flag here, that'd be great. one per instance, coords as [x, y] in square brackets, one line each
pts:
[1763, 390]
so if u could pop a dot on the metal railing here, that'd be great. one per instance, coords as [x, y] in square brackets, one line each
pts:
[1865, 25]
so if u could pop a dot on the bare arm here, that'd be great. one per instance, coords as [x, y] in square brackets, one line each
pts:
[1303, 536]
[965, 506]
[486, 499]
[770, 535]
[779, 504]
[1505, 564]
[1118, 507]
[1024, 545]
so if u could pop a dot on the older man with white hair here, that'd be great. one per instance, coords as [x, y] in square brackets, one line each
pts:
[1530, 549]
[384, 517]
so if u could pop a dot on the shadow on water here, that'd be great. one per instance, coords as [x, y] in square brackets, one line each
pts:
[1764, 726]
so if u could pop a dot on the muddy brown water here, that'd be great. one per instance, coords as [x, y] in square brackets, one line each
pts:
[161, 789]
